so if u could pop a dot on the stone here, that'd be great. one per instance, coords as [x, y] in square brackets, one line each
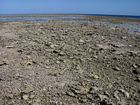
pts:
[53, 46]
[58, 62]
[116, 69]
[80, 90]
[32, 96]
[90, 33]
[28, 89]
[9, 47]
[117, 45]
[124, 37]
[25, 97]
[102, 46]
[94, 76]
[81, 41]
[112, 28]
[61, 53]
[135, 66]
[138, 79]
[38, 100]
[116, 95]
[136, 71]
[2, 63]
[137, 33]
[124, 92]
[95, 57]
[138, 103]
[122, 102]
[70, 94]
[29, 63]
[104, 102]
[36, 103]
[103, 97]
[83, 90]
[10, 96]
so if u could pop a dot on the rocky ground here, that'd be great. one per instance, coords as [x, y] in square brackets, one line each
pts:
[68, 63]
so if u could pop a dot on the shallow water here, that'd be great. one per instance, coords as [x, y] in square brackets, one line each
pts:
[132, 27]
[37, 19]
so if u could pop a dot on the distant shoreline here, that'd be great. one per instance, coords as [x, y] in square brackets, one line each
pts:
[104, 15]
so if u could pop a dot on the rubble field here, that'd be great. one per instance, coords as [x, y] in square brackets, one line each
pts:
[68, 63]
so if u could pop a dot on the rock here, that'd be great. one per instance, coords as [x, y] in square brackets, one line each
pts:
[10, 96]
[79, 69]
[103, 97]
[94, 76]
[36, 103]
[117, 45]
[29, 63]
[116, 95]
[138, 103]
[112, 28]
[32, 96]
[95, 89]
[124, 92]
[2, 63]
[80, 90]
[95, 57]
[56, 51]
[81, 41]
[28, 89]
[53, 73]
[20, 51]
[102, 46]
[104, 102]
[136, 71]
[137, 33]
[70, 94]
[61, 53]
[132, 53]
[116, 69]
[53, 46]
[90, 33]
[58, 62]
[138, 79]
[83, 90]
[122, 102]
[25, 97]
[38, 100]
[53, 35]
[123, 37]
[134, 65]
[9, 47]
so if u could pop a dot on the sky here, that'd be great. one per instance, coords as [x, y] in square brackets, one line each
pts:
[110, 7]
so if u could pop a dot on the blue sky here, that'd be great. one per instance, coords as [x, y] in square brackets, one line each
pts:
[116, 7]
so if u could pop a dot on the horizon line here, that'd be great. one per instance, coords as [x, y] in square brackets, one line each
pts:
[67, 14]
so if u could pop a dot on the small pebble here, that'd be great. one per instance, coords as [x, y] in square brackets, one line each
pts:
[116, 69]
[135, 66]
[138, 79]
[81, 41]
[136, 71]
[25, 97]
[58, 62]
[32, 96]
[95, 76]
[28, 89]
